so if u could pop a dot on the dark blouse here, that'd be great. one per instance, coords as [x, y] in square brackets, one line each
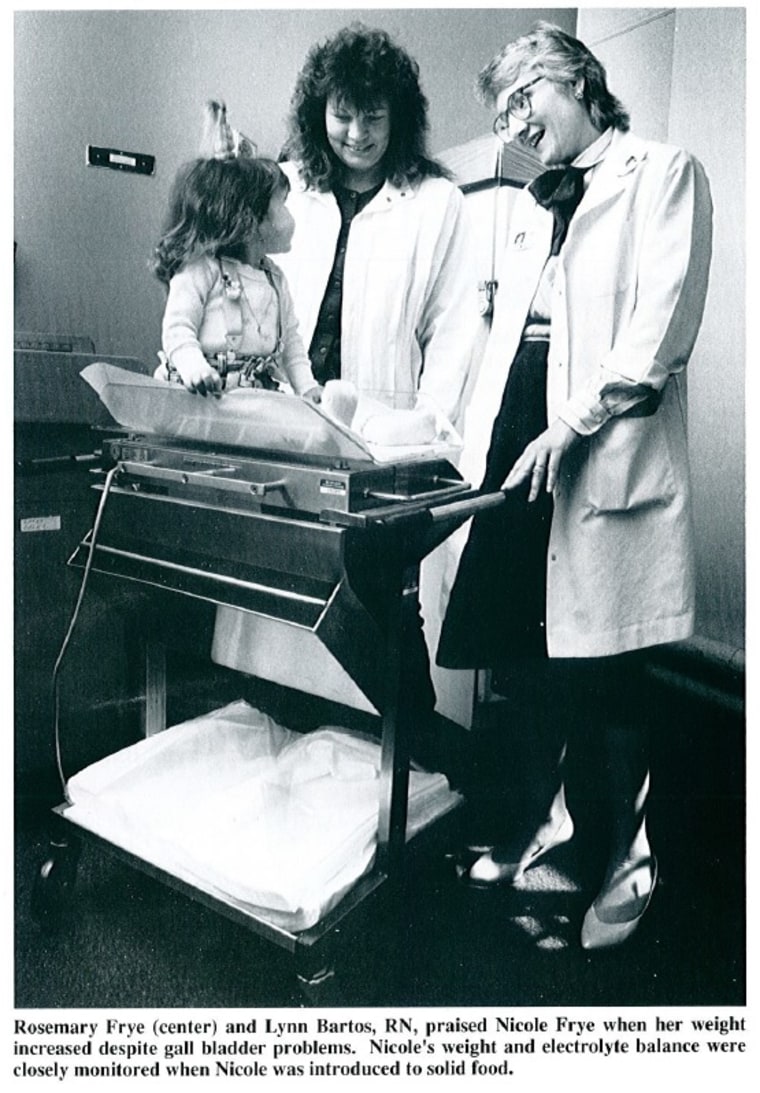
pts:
[324, 351]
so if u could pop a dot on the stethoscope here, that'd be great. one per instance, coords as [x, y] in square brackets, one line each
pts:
[487, 289]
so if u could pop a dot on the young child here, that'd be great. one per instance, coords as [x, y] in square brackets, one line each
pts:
[229, 318]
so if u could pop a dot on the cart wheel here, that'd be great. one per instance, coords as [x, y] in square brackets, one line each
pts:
[321, 989]
[54, 885]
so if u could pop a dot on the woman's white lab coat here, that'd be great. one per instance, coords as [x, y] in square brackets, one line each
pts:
[410, 304]
[627, 304]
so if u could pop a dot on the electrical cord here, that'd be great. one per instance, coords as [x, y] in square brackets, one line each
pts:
[70, 630]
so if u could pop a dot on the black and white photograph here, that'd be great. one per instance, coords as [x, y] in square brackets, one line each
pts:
[379, 542]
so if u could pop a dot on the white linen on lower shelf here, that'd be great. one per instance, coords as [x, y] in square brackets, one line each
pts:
[278, 823]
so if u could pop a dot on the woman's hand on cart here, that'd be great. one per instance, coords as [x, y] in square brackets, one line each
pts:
[542, 459]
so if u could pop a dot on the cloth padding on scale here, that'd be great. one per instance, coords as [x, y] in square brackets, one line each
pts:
[274, 821]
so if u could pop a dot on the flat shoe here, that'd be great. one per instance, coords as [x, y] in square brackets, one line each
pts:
[488, 871]
[465, 858]
[613, 928]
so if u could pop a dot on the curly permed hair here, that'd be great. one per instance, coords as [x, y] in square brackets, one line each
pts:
[360, 67]
[214, 207]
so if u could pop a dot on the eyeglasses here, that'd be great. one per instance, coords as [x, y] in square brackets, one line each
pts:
[519, 106]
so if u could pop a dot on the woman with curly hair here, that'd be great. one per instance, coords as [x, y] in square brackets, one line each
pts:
[380, 266]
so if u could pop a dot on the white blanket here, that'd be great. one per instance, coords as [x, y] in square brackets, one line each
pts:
[276, 822]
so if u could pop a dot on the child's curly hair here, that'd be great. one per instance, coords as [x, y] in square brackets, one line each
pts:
[213, 209]
[360, 67]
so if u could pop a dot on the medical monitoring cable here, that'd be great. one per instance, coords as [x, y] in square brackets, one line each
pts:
[72, 623]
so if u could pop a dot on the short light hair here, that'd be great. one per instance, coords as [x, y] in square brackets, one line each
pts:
[549, 51]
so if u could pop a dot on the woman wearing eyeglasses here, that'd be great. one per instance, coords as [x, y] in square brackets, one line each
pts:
[579, 416]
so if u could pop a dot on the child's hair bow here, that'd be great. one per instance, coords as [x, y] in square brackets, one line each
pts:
[220, 140]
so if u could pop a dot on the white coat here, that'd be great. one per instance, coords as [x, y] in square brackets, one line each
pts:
[410, 304]
[627, 303]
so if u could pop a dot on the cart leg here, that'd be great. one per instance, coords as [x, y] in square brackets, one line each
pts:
[394, 763]
[154, 709]
[316, 976]
[321, 988]
[54, 883]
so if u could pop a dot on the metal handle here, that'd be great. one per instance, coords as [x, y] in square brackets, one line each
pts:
[260, 489]
[449, 486]
[468, 506]
[173, 474]
[207, 575]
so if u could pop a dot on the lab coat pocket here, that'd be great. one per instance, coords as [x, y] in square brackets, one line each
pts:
[630, 466]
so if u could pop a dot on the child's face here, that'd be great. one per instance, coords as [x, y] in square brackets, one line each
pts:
[275, 231]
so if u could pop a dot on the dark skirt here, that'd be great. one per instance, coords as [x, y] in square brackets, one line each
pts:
[497, 609]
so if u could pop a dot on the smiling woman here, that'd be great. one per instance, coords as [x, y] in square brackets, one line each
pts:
[551, 103]
[360, 140]
[381, 267]
[548, 117]
[577, 415]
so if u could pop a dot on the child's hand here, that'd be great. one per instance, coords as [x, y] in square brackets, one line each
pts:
[201, 378]
[314, 394]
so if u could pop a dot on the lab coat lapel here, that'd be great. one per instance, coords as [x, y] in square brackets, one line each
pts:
[612, 177]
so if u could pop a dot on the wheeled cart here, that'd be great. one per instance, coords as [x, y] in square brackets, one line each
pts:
[310, 551]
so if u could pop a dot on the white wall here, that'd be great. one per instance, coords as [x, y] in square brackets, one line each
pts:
[715, 131]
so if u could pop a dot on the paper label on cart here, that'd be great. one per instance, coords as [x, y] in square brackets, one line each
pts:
[334, 486]
[41, 523]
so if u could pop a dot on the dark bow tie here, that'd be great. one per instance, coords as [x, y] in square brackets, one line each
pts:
[559, 190]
